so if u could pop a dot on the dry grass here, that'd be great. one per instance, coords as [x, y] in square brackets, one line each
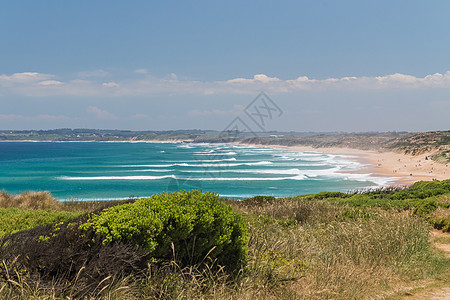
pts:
[298, 249]
[345, 260]
[25, 289]
[45, 201]
[289, 209]
[30, 200]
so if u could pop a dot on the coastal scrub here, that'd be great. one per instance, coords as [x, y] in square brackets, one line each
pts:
[186, 226]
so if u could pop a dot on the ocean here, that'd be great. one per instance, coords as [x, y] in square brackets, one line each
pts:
[100, 171]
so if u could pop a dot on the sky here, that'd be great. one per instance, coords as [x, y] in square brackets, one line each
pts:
[351, 66]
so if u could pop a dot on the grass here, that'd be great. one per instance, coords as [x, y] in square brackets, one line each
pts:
[30, 200]
[346, 259]
[427, 199]
[322, 246]
[32, 209]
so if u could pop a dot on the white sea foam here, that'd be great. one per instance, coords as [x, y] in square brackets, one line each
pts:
[141, 170]
[212, 152]
[250, 171]
[115, 177]
[150, 170]
[199, 165]
[148, 166]
[259, 163]
[186, 146]
[217, 160]
[289, 161]
[298, 177]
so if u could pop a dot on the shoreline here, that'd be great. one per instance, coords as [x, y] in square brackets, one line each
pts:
[405, 169]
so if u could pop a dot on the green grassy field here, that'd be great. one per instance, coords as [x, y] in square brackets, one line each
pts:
[359, 245]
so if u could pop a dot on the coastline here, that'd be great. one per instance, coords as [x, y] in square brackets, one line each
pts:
[402, 168]
[405, 169]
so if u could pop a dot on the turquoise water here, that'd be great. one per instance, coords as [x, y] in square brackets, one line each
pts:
[86, 171]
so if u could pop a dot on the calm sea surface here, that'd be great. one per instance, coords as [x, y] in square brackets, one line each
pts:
[86, 171]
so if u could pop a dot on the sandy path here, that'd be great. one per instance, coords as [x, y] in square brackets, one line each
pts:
[439, 293]
[443, 247]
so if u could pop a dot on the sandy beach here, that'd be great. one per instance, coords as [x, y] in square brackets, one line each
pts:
[406, 169]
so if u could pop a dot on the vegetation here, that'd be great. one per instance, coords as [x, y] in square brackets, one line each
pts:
[15, 219]
[30, 200]
[195, 226]
[427, 199]
[359, 245]
[434, 141]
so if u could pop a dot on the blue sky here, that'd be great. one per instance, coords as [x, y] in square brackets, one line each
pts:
[329, 65]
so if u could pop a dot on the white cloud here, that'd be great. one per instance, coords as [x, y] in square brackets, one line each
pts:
[99, 113]
[258, 78]
[51, 83]
[38, 84]
[110, 84]
[25, 77]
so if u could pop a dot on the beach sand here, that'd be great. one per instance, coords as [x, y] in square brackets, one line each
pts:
[404, 169]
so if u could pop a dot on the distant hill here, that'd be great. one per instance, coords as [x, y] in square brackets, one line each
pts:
[436, 142]
[67, 134]
[422, 142]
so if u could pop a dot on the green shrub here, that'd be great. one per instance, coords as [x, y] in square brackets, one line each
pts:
[429, 185]
[324, 195]
[440, 219]
[188, 225]
[425, 207]
[62, 256]
[15, 219]
[402, 195]
[441, 223]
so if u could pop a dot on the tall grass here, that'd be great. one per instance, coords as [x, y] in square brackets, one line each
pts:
[345, 260]
[320, 256]
[299, 248]
[46, 201]
[30, 200]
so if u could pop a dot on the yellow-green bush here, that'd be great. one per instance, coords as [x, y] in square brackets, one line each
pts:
[15, 219]
[186, 226]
